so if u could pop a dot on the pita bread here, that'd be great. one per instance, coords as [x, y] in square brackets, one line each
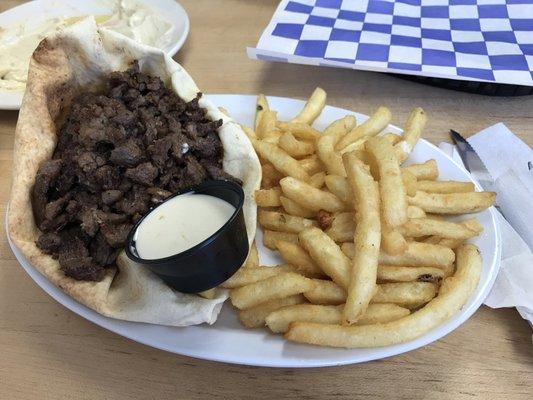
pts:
[63, 66]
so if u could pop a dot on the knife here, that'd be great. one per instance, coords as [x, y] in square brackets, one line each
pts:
[471, 160]
[473, 163]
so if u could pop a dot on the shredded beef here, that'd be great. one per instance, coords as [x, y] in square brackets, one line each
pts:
[118, 153]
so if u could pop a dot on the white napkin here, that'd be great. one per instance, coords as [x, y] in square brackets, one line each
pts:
[506, 157]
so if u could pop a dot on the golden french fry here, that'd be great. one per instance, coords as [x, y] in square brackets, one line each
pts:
[444, 187]
[392, 240]
[340, 126]
[338, 185]
[266, 129]
[417, 255]
[299, 130]
[296, 256]
[294, 147]
[277, 221]
[276, 287]
[278, 321]
[392, 273]
[293, 208]
[342, 228]
[367, 238]
[406, 294]
[411, 133]
[247, 276]
[268, 197]
[325, 146]
[317, 180]
[309, 196]
[270, 176]
[392, 137]
[311, 164]
[270, 238]
[425, 171]
[326, 293]
[255, 317]
[359, 145]
[419, 227]
[420, 255]
[371, 127]
[260, 108]
[453, 203]
[415, 212]
[329, 257]
[312, 108]
[283, 162]
[471, 224]
[391, 188]
[410, 182]
[453, 295]
[252, 261]
[249, 132]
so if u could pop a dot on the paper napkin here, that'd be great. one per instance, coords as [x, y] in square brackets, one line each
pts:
[484, 40]
[507, 157]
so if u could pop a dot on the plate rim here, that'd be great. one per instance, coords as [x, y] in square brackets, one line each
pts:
[429, 337]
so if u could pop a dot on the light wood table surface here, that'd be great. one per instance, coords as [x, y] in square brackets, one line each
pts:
[48, 352]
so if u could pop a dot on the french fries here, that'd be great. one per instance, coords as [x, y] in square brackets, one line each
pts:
[294, 147]
[371, 127]
[299, 130]
[392, 273]
[453, 295]
[270, 238]
[367, 249]
[311, 164]
[309, 196]
[246, 276]
[391, 188]
[419, 227]
[283, 162]
[293, 208]
[326, 293]
[296, 256]
[425, 171]
[268, 197]
[278, 321]
[338, 185]
[412, 131]
[252, 261]
[453, 203]
[328, 256]
[255, 317]
[367, 238]
[342, 228]
[444, 187]
[261, 107]
[325, 146]
[276, 287]
[281, 222]
[406, 294]
[312, 108]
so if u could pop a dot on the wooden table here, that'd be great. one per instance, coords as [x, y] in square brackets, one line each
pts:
[47, 352]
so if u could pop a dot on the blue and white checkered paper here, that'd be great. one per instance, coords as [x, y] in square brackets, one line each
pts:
[484, 40]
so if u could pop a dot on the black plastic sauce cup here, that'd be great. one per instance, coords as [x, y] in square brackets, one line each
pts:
[210, 262]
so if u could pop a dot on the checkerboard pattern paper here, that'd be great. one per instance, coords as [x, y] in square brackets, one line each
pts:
[485, 40]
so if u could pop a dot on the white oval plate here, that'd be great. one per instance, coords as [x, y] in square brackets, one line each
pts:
[38, 10]
[228, 341]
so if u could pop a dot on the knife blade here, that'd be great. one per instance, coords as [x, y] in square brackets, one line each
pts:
[472, 161]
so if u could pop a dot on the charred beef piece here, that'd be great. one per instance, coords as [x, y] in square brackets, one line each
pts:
[117, 154]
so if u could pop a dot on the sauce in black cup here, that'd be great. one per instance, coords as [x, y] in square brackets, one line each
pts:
[206, 264]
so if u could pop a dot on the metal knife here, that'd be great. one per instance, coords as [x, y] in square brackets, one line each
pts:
[471, 160]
